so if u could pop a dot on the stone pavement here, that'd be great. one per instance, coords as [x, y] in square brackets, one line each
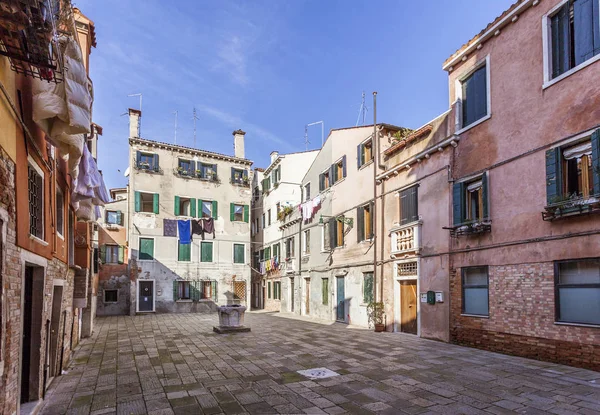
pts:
[175, 364]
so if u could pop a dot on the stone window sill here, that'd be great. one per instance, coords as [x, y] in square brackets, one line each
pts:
[570, 72]
[38, 240]
[473, 124]
[474, 315]
[561, 323]
[368, 163]
[183, 301]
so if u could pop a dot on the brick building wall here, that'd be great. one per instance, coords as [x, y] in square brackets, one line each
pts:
[521, 318]
[10, 289]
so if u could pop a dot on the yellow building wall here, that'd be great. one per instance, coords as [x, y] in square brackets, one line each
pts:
[8, 124]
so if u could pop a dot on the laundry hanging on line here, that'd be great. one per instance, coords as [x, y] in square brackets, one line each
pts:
[169, 227]
[185, 231]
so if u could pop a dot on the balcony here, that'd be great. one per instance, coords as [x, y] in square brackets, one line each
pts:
[198, 174]
[289, 265]
[147, 167]
[572, 206]
[240, 181]
[471, 228]
[406, 239]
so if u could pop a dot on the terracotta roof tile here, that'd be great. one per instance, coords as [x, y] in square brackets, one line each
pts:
[414, 136]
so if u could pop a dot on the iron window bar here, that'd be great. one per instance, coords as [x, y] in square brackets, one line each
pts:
[466, 229]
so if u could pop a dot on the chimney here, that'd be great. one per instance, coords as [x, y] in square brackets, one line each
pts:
[274, 155]
[238, 144]
[134, 122]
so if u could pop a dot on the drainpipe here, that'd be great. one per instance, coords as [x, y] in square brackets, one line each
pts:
[375, 165]
[300, 252]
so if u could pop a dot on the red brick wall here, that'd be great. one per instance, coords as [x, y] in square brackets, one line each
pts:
[521, 318]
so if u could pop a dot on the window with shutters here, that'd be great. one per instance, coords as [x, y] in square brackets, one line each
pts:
[184, 252]
[111, 254]
[364, 225]
[306, 242]
[574, 35]
[36, 202]
[147, 161]
[573, 178]
[269, 289]
[577, 291]
[146, 249]
[269, 217]
[470, 202]
[367, 287]
[339, 234]
[146, 202]
[111, 296]
[184, 291]
[409, 205]
[475, 290]
[239, 177]
[183, 206]
[238, 213]
[239, 253]
[325, 180]
[338, 170]
[266, 185]
[325, 290]
[326, 239]
[206, 208]
[114, 217]
[206, 171]
[60, 212]
[289, 248]
[276, 249]
[206, 251]
[186, 167]
[472, 91]
[277, 290]
[364, 153]
[208, 290]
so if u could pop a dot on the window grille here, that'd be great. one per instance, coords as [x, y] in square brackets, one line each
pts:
[408, 268]
[36, 210]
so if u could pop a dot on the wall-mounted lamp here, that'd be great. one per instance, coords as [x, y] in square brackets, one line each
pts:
[341, 218]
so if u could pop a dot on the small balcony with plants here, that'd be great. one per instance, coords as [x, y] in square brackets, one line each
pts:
[148, 166]
[569, 205]
[239, 177]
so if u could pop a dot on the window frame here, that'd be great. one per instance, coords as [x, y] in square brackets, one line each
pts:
[459, 127]
[38, 170]
[142, 202]
[191, 171]
[212, 252]
[557, 287]
[110, 290]
[235, 219]
[325, 237]
[210, 203]
[305, 245]
[179, 244]
[548, 81]
[269, 217]
[116, 254]
[151, 166]
[189, 289]
[462, 288]
[233, 253]
[362, 153]
[306, 189]
[116, 212]
[372, 294]
[60, 232]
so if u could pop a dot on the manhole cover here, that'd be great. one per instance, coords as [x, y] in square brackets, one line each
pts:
[318, 373]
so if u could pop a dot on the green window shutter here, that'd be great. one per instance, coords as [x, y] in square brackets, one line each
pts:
[146, 249]
[485, 195]
[360, 224]
[458, 203]
[175, 290]
[120, 218]
[368, 288]
[193, 208]
[269, 288]
[359, 156]
[344, 166]
[184, 252]
[215, 294]
[238, 253]
[206, 254]
[176, 207]
[215, 211]
[553, 175]
[372, 211]
[103, 254]
[138, 201]
[231, 212]
[246, 213]
[121, 254]
[332, 174]
[325, 290]
[155, 203]
[596, 161]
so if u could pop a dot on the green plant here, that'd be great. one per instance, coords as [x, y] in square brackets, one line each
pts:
[375, 312]
[402, 133]
[286, 210]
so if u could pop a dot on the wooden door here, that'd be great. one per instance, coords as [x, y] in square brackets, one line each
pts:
[307, 297]
[54, 330]
[341, 299]
[408, 306]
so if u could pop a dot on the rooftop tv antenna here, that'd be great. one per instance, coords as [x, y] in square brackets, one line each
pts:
[175, 126]
[306, 142]
[322, 130]
[195, 117]
[362, 111]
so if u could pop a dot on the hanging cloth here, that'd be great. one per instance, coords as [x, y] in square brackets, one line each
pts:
[169, 227]
[185, 232]
[208, 226]
[197, 228]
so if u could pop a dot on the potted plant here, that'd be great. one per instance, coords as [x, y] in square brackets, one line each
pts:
[375, 311]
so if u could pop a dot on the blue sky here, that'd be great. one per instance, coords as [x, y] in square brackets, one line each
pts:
[269, 68]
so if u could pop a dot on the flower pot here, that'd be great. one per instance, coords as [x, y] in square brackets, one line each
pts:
[379, 328]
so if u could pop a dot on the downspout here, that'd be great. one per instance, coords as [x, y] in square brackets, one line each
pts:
[375, 166]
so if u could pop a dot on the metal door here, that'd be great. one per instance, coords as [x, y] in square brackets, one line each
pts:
[146, 296]
[341, 299]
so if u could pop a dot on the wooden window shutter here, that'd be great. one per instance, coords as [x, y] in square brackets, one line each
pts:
[371, 213]
[485, 195]
[269, 289]
[138, 201]
[138, 157]
[359, 155]
[176, 207]
[231, 212]
[554, 175]
[175, 290]
[404, 207]
[120, 218]
[103, 254]
[587, 35]
[458, 203]
[332, 174]
[332, 233]
[193, 208]
[596, 161]
[321, 182]
[155, 203]
[360, 224]
[344, 166]
[561, 45]
[232, 174]
[214, 171]
[121, 257]
[414, 204]
[155, 165]
[215, 213]
[246, 213]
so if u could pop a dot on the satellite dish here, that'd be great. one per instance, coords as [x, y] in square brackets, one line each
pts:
[126, 174]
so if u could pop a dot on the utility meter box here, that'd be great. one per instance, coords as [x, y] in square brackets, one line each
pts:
[439, 296]
[431, 297]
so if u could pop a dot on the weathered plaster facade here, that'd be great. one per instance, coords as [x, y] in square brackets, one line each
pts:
[165, 268]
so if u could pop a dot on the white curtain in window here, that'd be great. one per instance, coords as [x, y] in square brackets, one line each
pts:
[578, 151]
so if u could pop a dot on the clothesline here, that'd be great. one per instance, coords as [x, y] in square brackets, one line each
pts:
[185, 228]
[310, 208]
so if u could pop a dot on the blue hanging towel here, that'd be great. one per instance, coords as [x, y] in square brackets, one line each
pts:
[185, 231]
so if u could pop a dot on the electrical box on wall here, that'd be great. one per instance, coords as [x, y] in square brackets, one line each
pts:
[439, 297]
[431, 297]
[423, 297]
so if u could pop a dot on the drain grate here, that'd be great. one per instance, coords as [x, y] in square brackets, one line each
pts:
[318, 373]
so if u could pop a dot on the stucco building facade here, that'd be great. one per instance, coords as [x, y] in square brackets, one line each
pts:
[171, 182]
[524, 264]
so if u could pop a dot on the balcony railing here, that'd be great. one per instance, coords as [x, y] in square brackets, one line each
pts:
[198, 174]
[406, 239]
[574, 206]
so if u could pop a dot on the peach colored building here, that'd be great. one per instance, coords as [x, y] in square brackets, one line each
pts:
[524, 264]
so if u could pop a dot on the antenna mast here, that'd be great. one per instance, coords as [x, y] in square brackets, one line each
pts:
[195, 117]
[306, 142]
[175, 126]
[362, 111]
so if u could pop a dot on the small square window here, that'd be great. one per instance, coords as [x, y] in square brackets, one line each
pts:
[206, 251]
[111, 296]
[113, 217]
[185, 206]
[111, 254]
[475, 291]
[146, 202]
[184, 252]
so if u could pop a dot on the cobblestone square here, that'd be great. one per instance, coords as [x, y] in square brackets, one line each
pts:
[175, 364]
